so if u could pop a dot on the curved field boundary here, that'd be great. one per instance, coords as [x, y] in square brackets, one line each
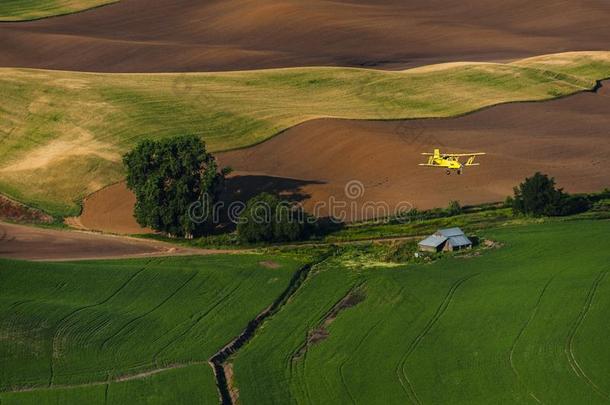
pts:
[521, 332]
[569, 345]
[38, 10]
[233, 110]
[401, 372]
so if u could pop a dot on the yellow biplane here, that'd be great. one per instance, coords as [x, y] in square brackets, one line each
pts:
[450, 161]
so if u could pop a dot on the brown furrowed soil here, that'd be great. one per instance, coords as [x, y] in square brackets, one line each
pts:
[109, 210]
[25, 242]
[567, 138]
[195, 35]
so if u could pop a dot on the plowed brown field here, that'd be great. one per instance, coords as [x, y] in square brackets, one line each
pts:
[196, 35]
[567, 138]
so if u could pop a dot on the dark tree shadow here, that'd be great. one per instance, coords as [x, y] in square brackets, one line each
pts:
[241, 188]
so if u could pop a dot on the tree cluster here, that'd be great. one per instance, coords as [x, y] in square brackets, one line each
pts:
[268, 219]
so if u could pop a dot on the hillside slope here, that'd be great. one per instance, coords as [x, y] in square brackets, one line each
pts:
[195, 35]
[523, 324]
[64, 132]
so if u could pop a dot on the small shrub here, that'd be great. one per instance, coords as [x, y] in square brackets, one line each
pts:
[454, 208]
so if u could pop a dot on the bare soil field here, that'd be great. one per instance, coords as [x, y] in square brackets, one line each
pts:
[25, 242]
[567, 138]
[109, 210]
[195, 35]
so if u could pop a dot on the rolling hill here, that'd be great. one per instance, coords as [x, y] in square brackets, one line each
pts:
[521, 324]
[64, 132]
[195, 35]
[126, 330]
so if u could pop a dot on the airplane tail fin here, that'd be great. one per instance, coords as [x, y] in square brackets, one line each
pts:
[437, 153]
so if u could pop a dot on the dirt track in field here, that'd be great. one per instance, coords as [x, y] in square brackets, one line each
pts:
[25, 242]
[197, 35]
[567, 138]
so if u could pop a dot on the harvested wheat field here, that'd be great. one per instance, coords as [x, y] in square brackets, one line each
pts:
[567, 138]
[195, 35]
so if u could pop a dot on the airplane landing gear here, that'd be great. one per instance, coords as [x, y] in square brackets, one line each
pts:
[459, 171]
[448, 172]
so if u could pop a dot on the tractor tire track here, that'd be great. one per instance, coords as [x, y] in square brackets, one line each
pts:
[364, 338]
[403, 377]
[54, 342]
[569, 345]
[222, 299]
[108, 381]
[159, 305]
[520, 334]
[342, 365]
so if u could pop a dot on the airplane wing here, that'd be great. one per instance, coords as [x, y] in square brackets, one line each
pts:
[463, 154]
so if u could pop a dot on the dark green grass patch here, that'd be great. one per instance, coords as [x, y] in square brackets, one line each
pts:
[522, 323]
[133, 323]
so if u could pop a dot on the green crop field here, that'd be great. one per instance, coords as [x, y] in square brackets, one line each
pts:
[127, 331]
[63, 133]
[23, 10]
[526, 323]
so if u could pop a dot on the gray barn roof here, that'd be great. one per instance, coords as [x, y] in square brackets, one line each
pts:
[433, 241]
[459, 241]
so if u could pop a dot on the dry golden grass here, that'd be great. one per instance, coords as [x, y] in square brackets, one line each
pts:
[92, 118]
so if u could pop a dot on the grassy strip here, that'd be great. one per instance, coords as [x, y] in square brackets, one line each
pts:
[419, 223]
[63, 133]
[26, 10]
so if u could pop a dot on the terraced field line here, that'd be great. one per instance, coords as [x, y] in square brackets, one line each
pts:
[159, 305]
[521, 331]
[54, 343]
[401, 369]
[569, 346]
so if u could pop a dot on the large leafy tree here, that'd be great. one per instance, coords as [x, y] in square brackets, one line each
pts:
[537, 196]
[170, 178]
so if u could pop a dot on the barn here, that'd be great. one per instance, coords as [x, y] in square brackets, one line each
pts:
[449, 239]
